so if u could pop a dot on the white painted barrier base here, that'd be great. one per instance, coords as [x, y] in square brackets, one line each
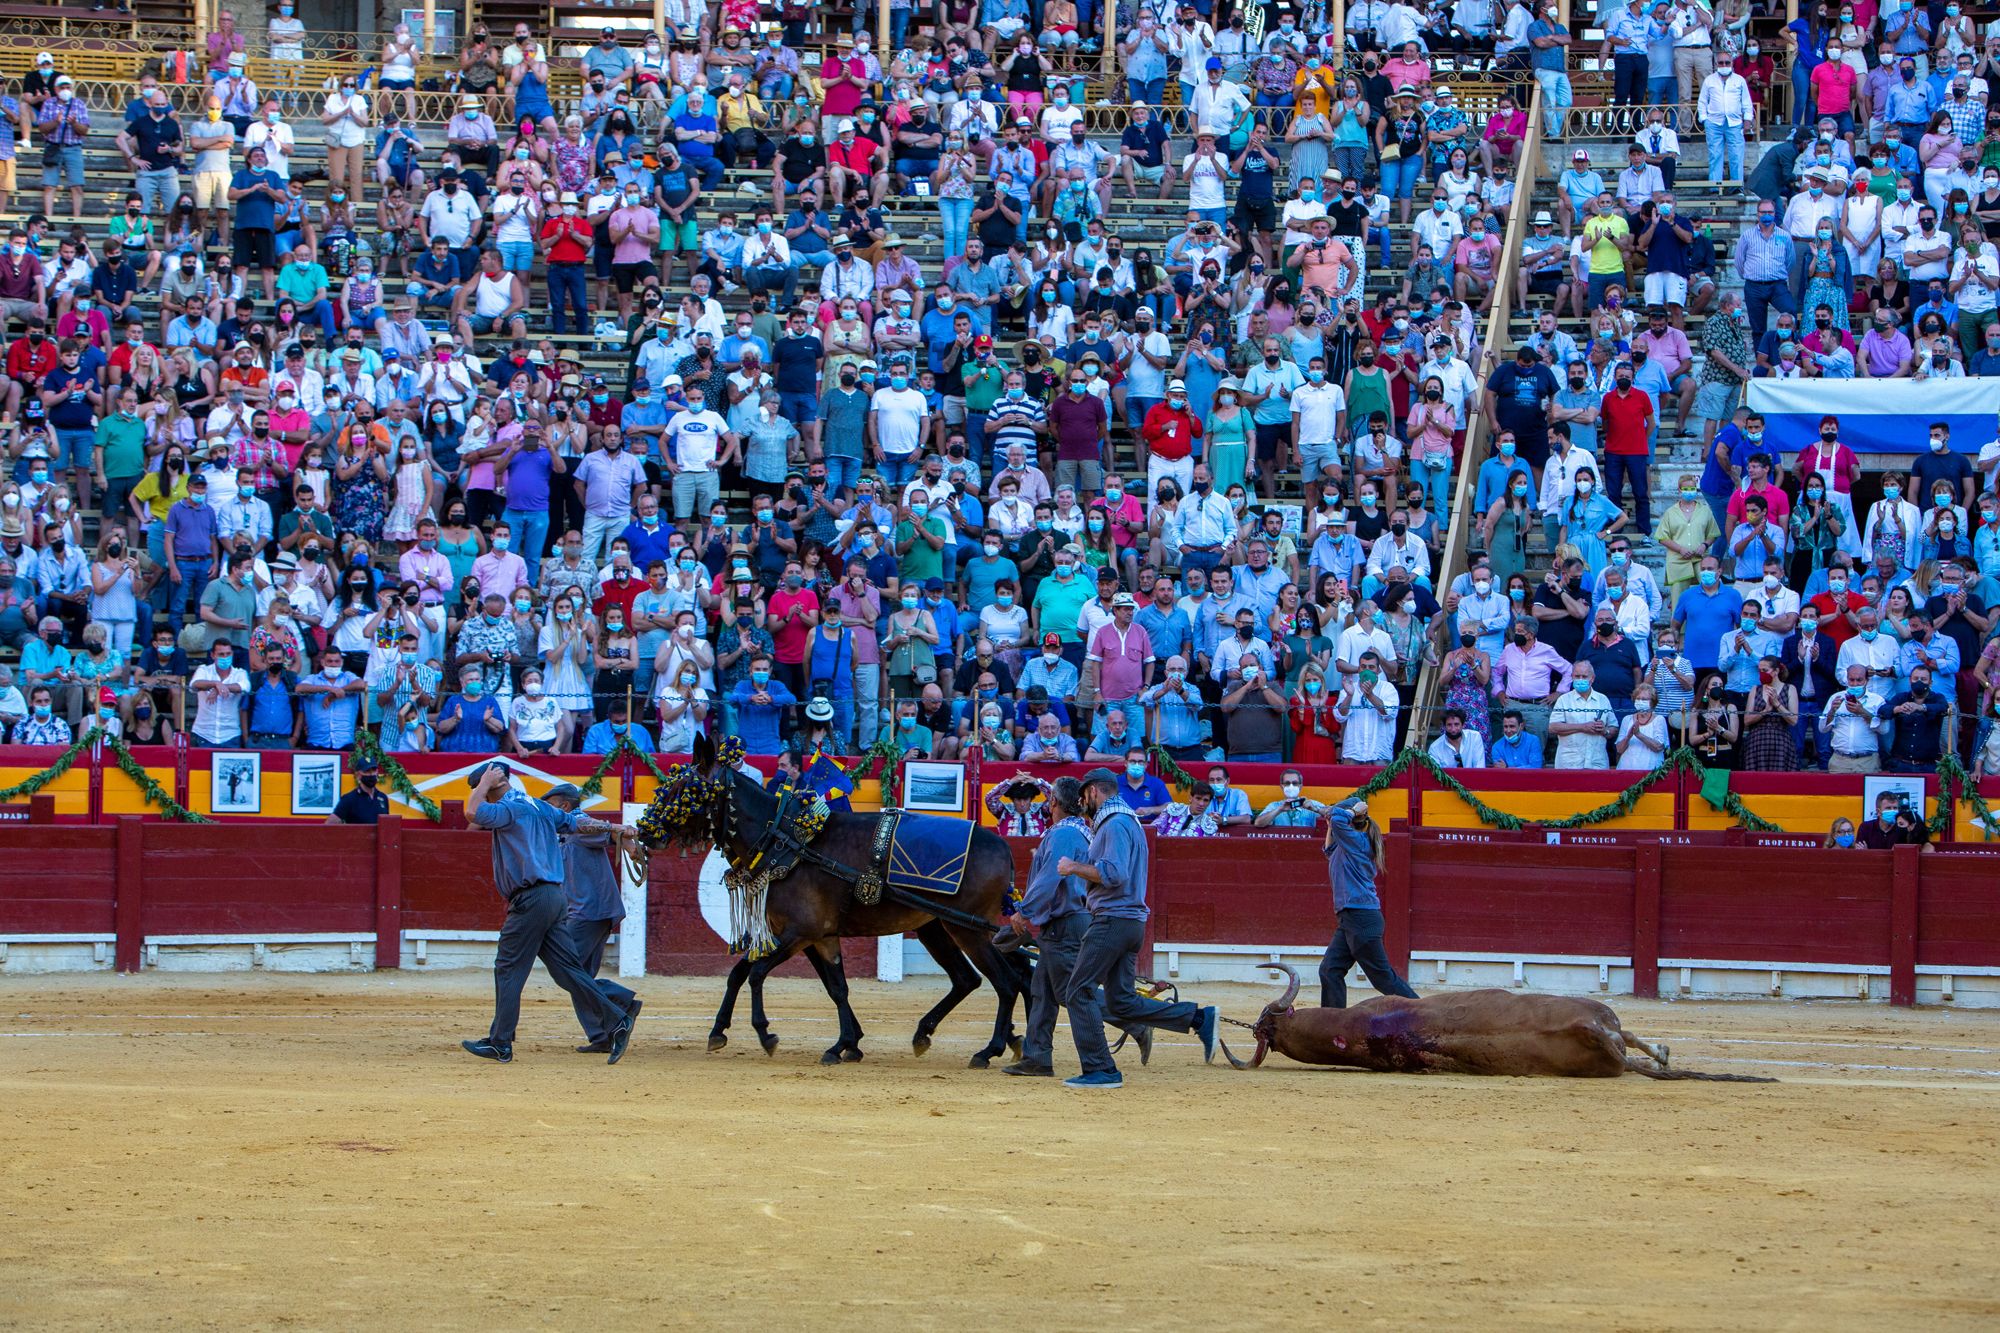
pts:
[29, 954]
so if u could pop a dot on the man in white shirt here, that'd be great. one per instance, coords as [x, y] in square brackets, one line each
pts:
[898, 418]
[1205, 523]
[1319, 420]
[1460, 385]
[1457, 747]
[1438, 226]
[1364, 638]
[1399, 550]
[697, 442]
[1582, 721]
[1565, 460]
[1217, 102]
[1723, 109]
[1848, 723]
[1927, 252]
[1367, 714]
[1975, 274]
[219, 686]
[1813, 205]
[1399, 24]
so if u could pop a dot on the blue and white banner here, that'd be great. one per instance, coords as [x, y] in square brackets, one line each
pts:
[1878, 416]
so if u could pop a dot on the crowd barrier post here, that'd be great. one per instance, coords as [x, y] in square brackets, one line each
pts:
[1906, 869]
[129, 952]
[1647, 881]
[389, 892]
[1395, 895]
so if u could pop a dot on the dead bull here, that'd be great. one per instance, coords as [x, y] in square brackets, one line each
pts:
[1467, 1032]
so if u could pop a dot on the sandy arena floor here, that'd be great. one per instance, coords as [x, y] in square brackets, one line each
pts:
[260, 1150]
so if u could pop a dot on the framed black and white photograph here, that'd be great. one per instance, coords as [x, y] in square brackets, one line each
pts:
[315, 783]
[236, 782]
[1907, 788]
[934, 788]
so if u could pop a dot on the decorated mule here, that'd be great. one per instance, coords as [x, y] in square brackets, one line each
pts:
[801, 877]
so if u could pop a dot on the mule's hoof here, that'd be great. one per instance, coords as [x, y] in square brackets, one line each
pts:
[830, 1056]
[979, 1062]
[717, 1040]
[920, 1044]
[1014, 1046]
[768, 1042]
[850, 1054]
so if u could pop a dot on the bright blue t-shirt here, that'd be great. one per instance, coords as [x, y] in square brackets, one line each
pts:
[1704, 618]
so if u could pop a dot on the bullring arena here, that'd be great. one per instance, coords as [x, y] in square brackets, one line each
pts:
[314, 1151]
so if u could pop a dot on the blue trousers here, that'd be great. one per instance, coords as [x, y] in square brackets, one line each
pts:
[531, 536]
[1357, 939]
[569, 289]
[186, 593]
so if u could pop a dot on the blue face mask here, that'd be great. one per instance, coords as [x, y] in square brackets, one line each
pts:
[1708, 578]
[760, 677]
[1843, 839]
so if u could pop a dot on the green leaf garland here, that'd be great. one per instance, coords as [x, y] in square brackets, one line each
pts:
[35, 782]
[154, 794]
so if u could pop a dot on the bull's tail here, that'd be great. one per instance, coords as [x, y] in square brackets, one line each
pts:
[1650, 1071]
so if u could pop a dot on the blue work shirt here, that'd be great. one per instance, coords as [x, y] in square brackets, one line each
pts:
[1350, 862]
[527, 846]
[591, 878]
[1149, 793]
[1047, 894]
[1118, 854]
[1179, 715]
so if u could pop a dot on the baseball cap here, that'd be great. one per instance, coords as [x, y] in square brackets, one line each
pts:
[1052, 640]
[1122, 599]
[367, 764]
[1214, 62]
[1579, 156]
[983, 343]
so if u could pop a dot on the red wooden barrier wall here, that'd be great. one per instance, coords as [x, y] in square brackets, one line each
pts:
[1682, 897]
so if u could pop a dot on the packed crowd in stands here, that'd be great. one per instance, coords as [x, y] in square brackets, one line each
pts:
[298, 451]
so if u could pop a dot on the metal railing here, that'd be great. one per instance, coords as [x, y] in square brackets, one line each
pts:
[1458, 537]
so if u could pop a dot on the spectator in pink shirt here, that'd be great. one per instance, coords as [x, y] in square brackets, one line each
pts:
[1885, 349]
[1118, 660]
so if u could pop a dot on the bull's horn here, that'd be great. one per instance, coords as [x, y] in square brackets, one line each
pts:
[1257, 1058]
[1284, 1002]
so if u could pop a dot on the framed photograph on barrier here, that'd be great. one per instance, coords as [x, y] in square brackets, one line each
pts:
[934, 788]
[1908, 788]
[236, 782]
[315, 783]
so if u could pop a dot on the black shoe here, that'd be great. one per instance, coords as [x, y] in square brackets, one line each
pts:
[488, 1049]
[594, 1048]
[619, 1036]
[632, 1014]
[1204, 1028]
[1027, 1069]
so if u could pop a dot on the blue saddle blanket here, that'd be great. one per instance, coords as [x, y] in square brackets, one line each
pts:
[927, 854]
